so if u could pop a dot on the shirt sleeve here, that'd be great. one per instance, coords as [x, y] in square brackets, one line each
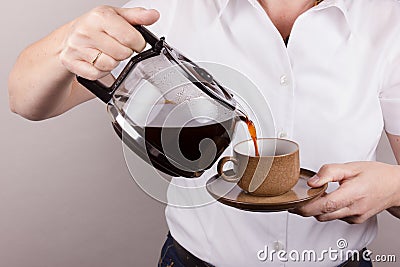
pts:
[390, 90]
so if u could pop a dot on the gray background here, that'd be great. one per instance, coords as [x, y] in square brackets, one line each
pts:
[66, 196]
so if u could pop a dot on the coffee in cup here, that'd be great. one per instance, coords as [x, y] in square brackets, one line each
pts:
[274, 172]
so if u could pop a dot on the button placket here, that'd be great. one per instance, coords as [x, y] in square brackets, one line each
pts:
[284, 80]
[286, 101]
[282, 134]
[278, 246]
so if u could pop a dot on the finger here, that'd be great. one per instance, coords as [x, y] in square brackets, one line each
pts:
[101, 42]
[353, 219]
[336, 200]
[332, 173]
[121, 29]
[104, 62]
[110, 46]
[298, 210]
[139, 15]
[337, 214]
[84, 69]
[346, 214]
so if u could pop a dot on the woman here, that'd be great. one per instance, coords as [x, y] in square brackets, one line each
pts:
[330, 71]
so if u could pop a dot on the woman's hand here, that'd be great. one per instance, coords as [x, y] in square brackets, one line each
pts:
[97, 41]
[42, 83]
[366, 188]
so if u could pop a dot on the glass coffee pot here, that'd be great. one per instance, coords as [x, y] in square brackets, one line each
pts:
[168, 110]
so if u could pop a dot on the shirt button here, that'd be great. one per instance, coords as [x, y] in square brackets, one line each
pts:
[283, 135]
[284, 80]
[278, 246]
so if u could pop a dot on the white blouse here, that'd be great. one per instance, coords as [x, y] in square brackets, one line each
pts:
[333, 89]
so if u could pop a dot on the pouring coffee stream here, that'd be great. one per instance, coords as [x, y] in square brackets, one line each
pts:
[169, 111]
[251, 128]
[253, 133]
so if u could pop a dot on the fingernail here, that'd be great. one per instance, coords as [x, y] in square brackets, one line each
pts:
[314, 179]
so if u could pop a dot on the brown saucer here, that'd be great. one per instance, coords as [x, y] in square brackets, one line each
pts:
[232, 195]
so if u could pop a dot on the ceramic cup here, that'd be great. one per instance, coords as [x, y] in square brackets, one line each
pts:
[273, 173]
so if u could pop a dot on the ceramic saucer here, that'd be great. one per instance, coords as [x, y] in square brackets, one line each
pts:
[232, 195]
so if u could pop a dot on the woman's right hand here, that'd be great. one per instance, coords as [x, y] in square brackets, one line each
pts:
[70, 50]
[105, 33]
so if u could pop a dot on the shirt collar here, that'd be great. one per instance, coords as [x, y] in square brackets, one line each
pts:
[340, 4]
[224, 3]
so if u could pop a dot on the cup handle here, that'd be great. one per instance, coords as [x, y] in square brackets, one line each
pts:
[220, 169]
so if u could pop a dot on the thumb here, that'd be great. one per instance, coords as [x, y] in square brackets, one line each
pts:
[332, 173]
[139, 15]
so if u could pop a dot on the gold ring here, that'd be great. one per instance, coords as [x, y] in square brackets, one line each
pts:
[96, 58]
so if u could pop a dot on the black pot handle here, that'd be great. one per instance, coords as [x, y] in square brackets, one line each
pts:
[148, 36]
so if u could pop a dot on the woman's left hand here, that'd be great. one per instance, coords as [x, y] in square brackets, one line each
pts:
[366, 188]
